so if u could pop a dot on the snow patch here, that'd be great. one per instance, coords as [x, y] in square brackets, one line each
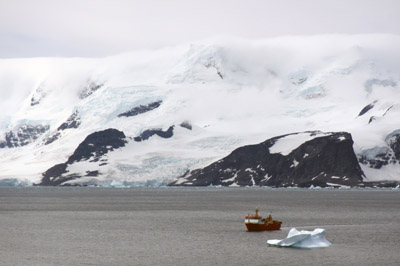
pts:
[295, 163]
[337, 185]
[232, 179]
[250, 170]
[287, 144]
[267, 177]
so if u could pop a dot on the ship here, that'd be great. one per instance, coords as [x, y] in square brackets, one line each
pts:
[256, 223]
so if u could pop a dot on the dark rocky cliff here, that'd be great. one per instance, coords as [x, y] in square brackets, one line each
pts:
[91, 149]
[327, 159]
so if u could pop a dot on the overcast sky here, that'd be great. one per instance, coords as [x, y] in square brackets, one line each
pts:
[104, 27]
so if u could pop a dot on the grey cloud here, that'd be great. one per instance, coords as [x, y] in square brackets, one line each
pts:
[101, 27]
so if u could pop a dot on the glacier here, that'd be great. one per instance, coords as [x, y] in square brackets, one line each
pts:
[232, 92]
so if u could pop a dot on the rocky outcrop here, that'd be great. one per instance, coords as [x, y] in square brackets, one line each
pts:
[97, 144]
[318, 159]
[366, 108]
[91, 149]
[89, 89]
[24, 135]
[145, 135]
[186, 124]
[55, 136]
[72, 122]
[141, 109]
[38, 96]
[376, 117]
[380, 156]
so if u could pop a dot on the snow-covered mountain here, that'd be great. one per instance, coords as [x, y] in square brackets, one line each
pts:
[181, 108]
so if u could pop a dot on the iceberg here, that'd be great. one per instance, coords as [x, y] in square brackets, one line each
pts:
[302, 239]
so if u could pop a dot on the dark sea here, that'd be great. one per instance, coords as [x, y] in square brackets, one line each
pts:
[193, 226]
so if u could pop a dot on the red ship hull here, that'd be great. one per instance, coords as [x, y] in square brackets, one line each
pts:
[256, 227]
[263, 227]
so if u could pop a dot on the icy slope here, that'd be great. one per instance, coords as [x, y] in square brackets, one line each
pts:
[231, 92]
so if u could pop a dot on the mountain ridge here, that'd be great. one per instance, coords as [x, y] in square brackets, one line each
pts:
[232, 93]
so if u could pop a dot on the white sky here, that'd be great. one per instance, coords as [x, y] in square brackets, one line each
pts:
[104, 27]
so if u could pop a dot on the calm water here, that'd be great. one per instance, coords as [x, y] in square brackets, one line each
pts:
[189, 226]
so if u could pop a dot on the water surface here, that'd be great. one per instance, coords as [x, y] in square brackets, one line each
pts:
[193, 226]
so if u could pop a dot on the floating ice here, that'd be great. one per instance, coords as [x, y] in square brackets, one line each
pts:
[302, 239]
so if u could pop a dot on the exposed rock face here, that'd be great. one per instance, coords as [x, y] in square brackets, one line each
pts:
[89, 90]
[151, 132]
[91, 149]
[52, 138]
[141, 109]
[366, 109]
[323, 159]
[186, 124]
[376, 117]
[38, 96]
[216, 63]
[55, 175]
[97, 144]
[24, 135]
[72, 122]
[377, 157]
[371, 119]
